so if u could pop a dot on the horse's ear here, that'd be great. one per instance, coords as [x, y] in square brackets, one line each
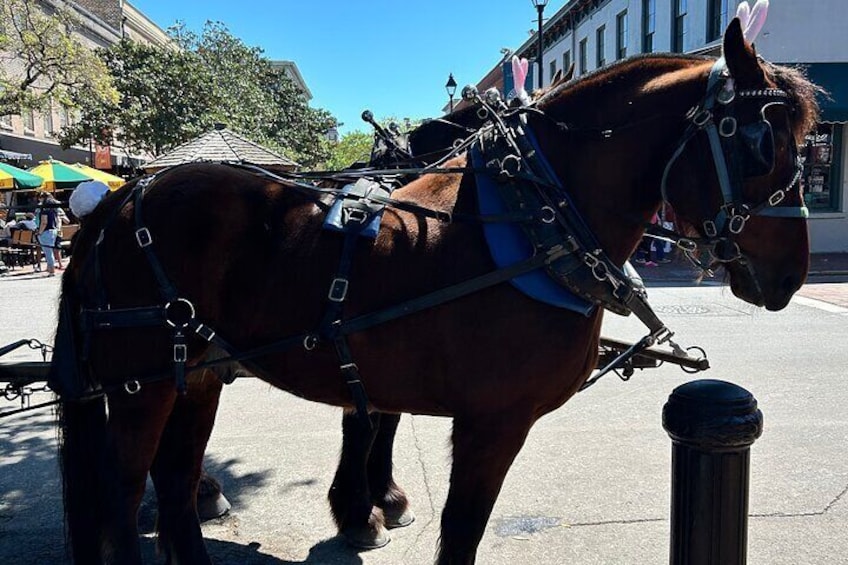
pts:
[569, 74]
[740, 56]
[556, 78]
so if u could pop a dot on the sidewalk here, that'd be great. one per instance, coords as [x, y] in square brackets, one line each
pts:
[680, 270]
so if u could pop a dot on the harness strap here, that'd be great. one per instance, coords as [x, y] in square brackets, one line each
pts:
[353, 380]
[145, 241]
[332, 322]
[458, 290]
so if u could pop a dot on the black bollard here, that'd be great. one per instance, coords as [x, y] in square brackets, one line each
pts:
[712, 425]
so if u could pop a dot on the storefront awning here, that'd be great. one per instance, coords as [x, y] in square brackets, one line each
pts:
[833, 77]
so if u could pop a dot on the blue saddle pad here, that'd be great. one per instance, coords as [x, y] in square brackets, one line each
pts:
[508, 245]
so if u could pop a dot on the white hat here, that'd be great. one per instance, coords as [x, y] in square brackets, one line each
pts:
[86, 196]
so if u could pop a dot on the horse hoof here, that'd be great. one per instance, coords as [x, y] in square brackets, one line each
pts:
[212, 506]
[365, 538]
[401, 520]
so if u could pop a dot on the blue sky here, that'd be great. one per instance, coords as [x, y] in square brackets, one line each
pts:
[390, 57]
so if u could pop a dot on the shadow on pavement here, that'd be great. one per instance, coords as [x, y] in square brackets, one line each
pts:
[333, 551]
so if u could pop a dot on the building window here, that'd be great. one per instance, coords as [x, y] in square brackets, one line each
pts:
[6, 122]
[621, 35]
[566, 61]
[48, 122]
[821, 179]
[29, 122]
[64, 117]
[678, 24]
[552, 70]
[600, 46]
[716, 18]
[649, 25]
[583, 49]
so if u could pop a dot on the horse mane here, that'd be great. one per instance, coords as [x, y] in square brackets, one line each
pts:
[793, 80]
[803, 93]
[643, 61]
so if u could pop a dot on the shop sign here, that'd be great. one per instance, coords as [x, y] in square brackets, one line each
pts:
[102, 157]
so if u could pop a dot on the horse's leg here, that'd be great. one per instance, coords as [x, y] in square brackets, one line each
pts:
[483, 450]
[350, 500]
[135, 427]
[385, 493]
[87, 476]
[177, 467]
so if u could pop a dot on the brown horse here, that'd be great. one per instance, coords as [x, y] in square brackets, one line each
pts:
[252, 258]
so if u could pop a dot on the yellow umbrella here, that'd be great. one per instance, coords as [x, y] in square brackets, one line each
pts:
[57, 174]
[112, 181]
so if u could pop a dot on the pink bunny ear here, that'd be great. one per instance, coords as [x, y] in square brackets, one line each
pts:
[519, 72]
[758, 18]
[743, 12]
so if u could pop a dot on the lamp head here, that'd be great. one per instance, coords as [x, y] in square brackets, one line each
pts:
[450, 86]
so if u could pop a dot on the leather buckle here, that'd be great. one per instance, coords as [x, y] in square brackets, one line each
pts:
[702, 117]
[143, 237]
[710, 228]
[776, 198]
[737, 223]
[727, 126]
[180, 353]
[338, 289]
[355, 215]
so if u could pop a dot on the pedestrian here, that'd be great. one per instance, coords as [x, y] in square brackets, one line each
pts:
[643, 252]
[48, 227]
[57, 245]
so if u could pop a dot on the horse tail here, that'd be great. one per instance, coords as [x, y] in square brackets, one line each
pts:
[82, 435]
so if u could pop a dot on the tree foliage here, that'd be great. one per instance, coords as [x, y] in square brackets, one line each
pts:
[169, 96]
[352, 147]
[165, 100]
[43, 61]
[356, 145]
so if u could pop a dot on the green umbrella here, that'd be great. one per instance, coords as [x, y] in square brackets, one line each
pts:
[57, 174]
[13, 177]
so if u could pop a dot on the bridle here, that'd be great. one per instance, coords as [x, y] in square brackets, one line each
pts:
[738, 152]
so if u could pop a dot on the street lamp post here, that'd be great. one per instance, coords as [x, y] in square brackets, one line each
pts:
[540, 7]
[450, 86]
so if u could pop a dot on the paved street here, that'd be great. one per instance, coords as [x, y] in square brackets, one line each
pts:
[591, 485]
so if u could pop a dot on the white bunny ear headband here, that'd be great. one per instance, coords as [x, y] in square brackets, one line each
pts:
[752, 19]
[520, 68]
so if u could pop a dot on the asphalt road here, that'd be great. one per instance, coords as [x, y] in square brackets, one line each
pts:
[591, 485]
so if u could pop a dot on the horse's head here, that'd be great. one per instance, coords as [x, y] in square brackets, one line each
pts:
[734, 177]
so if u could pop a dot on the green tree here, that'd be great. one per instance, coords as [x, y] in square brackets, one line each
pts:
[255, 97]
[356, 145]
[45, 60]
[165, 100]
[352, 147]
[170, 96]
